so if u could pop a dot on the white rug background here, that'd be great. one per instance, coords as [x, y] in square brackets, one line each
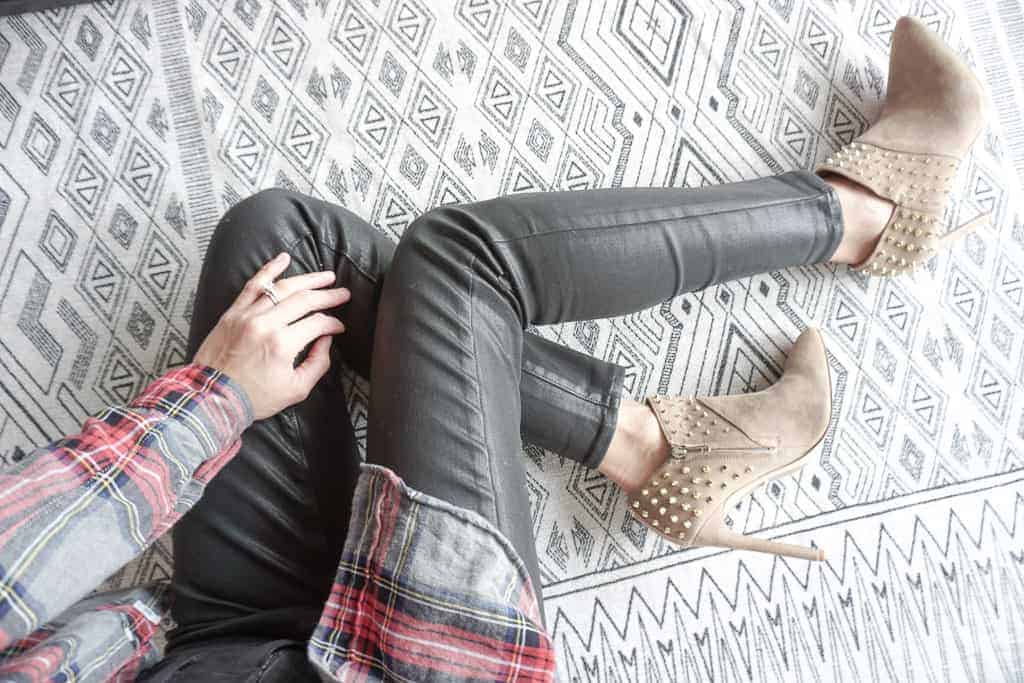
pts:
[127, 128]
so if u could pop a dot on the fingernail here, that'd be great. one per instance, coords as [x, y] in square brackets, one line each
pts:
[281, 256]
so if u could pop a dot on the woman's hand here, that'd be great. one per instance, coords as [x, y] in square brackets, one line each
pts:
[255, 343]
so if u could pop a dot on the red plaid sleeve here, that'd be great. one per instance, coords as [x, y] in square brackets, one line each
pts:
[427, 591]
[73, 512]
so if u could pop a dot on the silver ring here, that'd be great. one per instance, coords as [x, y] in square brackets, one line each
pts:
[271, 293]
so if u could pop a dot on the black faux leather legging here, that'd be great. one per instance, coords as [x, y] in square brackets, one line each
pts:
[456, 385]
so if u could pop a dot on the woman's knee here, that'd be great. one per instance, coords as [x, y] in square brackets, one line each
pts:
[445, 238]
[413, 251]
[246, 237]
[256, 220]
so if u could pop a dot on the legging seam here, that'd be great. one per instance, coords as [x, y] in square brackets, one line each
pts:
[477, 384]
[290, 410]
[618, 226]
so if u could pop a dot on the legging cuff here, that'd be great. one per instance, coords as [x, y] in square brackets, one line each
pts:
[613, 383]
[833, 216]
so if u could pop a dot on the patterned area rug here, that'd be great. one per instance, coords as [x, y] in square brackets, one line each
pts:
[128, 127]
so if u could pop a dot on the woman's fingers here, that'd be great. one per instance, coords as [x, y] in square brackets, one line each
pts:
[255, 342]
[317, 362]
[309, 328]
[266, 275]
[304, 302]
[290, 286]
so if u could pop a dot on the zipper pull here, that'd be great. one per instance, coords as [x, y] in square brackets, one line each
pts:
[680, 451]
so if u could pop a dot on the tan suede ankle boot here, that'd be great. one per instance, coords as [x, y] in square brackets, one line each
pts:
[934, 109]
[723, 447]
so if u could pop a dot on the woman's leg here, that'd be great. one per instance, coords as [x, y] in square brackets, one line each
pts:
[570, 399]
[257, 553]
[445, 409]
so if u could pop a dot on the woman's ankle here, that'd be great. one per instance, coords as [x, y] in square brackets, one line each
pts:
[637, 449]
[865, 216]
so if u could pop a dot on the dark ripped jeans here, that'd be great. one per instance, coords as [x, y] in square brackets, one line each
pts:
[456, 385]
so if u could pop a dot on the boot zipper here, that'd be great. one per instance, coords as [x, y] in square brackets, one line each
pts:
[680, 451]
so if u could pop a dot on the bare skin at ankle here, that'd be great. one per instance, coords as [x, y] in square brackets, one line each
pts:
[637, 449]
[865, 216]
[638, 446]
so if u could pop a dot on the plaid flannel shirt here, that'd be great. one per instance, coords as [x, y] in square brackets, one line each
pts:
[424, 590]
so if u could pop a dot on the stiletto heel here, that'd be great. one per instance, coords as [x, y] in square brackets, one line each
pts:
[730, 539]
[723, 447]
[934, 109]
[964, 229]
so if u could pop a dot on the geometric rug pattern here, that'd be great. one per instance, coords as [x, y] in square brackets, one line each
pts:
[127, 128]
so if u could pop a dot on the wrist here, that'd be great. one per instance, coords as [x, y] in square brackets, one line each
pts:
[227, 385]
